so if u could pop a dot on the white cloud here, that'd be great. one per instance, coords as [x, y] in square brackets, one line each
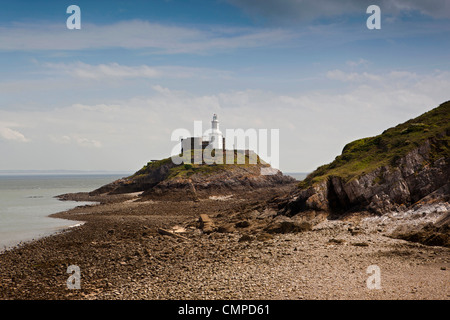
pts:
[60, 139]
[358, 63]
[13, 135]
[393, 79]
[314, 126]
[300, 10]
[101, 71]
[352, 76]
[89, 143]
[114, 70]
[75, 139]
[99, 108]
[403, 75]
[136, 34]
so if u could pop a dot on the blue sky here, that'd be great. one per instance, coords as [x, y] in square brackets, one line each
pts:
[108, 96]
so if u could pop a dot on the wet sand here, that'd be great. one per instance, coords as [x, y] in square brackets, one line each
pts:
[121, 255]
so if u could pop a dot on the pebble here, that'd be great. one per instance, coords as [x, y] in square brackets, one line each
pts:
[124, 265]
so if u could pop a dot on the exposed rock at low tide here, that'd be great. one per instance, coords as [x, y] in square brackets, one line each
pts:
[383, 190]
[405, 165]
[159, 181]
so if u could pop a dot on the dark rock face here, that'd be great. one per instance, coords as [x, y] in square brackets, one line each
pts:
[238, 177]
[417, 177]
[136, 183]
[234, 178]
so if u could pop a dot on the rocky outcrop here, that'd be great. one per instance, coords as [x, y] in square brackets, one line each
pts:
[137, 182]
[405, 165]
[157, 181]
[432, 234]
[232, 178]
[415, 178]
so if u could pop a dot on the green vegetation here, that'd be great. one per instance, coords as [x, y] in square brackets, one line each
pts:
[189, 167]
[187, 170]
[152, 165]
[364, 155]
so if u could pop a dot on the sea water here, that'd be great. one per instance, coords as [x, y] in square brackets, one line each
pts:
[297, 175]
[26, 201]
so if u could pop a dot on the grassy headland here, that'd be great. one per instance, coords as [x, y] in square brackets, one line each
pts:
[365, 155]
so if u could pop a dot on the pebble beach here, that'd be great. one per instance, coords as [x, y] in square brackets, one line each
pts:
[122, 255]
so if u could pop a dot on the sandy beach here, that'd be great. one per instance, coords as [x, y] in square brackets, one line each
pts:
[121, 255]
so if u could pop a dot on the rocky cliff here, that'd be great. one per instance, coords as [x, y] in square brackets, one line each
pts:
[405, 165]
[164, 178]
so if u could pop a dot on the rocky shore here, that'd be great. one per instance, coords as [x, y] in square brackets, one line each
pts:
[245, 251]
[232, 231]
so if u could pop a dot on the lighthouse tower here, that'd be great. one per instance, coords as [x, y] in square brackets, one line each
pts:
[215, 137]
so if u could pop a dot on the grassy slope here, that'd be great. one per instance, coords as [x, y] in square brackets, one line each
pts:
[188, 169]
[364, 155]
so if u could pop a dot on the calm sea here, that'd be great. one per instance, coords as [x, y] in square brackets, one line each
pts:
[296, 175]
[27, 200]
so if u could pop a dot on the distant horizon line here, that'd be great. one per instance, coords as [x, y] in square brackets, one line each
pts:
[58, 171]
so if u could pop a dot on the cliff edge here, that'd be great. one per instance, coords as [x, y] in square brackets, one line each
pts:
[164, 178]
[403, 166]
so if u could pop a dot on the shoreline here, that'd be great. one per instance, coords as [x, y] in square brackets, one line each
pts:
[15, 244]
[43, 232]
[28, 201]
[122, 255]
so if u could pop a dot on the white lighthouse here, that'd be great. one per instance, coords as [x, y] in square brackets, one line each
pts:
[215, 137]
